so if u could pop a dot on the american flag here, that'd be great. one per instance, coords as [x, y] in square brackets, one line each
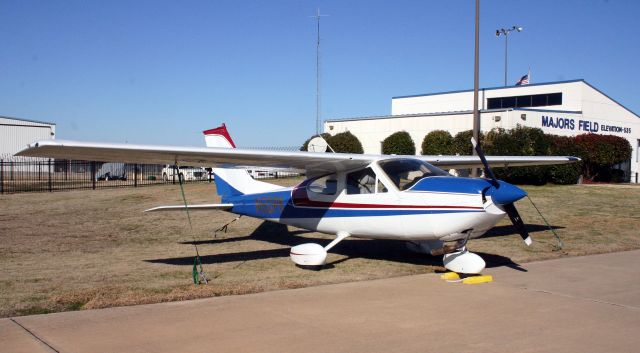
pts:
[524, 80]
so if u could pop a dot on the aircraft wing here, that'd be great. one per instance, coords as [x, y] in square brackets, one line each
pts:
[202, 156]
[314, 163]
[460, 162]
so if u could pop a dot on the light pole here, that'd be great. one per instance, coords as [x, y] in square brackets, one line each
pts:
[505, 32]
[476, 61]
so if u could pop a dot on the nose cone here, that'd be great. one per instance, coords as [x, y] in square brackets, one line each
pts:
[506, 193]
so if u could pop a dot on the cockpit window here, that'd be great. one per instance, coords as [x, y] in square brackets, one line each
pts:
[361, 182]
[326, 185]
[406, 172]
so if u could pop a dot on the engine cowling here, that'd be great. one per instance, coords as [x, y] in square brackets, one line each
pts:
[309, 254]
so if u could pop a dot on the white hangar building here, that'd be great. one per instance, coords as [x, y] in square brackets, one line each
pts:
[16, 133]
[561, 108]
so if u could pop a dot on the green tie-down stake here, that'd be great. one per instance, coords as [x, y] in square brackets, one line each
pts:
[195, 271]
[198, 276]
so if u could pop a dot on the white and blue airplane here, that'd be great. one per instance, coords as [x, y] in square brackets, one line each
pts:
[347, 195]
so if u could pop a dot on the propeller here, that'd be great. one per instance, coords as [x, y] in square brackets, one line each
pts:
[505, 195]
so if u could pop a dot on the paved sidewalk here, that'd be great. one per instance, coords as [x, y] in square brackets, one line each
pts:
[583, 304]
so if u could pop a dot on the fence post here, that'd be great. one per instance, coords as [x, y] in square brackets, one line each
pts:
[93, 175]
[50, 184]
[135, 175]
[2, 176]
[174, 167]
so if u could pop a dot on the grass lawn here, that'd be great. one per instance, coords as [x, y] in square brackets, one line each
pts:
[92, 249]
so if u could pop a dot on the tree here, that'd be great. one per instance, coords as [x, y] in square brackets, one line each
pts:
[399, 143]
[345, 142]
[437, 142]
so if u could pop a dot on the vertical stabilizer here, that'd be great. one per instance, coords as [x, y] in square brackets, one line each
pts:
[231, 181]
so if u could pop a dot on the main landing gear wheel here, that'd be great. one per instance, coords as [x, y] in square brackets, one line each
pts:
[311, 255]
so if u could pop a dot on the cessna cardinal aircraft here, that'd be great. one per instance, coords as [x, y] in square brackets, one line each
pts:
[365, 196]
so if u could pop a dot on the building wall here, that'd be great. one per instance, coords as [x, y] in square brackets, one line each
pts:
[584, 109]
[15, 134]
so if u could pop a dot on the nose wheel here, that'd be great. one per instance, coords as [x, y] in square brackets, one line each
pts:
[462, 260]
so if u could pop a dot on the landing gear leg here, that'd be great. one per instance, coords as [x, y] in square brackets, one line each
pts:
[340, 237]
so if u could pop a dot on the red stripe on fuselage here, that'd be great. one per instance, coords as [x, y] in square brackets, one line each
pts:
[300, 198]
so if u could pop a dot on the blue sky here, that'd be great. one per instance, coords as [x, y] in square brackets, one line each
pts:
[162, 71]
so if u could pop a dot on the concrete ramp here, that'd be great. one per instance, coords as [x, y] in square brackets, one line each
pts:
[583, 304]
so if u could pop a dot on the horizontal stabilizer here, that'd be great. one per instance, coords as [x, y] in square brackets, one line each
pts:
[211, 206]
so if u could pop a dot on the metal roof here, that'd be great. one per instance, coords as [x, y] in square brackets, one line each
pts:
[523, 86]
[451, 113]
[27, 120]
[489, 89]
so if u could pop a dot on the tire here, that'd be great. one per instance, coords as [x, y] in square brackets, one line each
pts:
[164, 177]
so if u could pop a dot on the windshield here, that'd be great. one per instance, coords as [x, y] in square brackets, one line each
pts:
[404, 173]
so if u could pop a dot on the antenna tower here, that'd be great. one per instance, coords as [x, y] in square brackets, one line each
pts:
[318, 93]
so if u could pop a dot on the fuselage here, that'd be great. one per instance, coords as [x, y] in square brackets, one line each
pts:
[369, 204]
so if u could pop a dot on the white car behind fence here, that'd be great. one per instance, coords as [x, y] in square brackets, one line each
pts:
[169, 172]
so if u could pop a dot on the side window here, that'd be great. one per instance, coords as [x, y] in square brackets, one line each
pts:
[361, 182]
[326, 185]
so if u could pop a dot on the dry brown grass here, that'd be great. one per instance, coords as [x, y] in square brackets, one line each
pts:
[93, 249]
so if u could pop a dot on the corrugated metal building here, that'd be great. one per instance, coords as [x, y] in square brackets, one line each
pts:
[16, 133]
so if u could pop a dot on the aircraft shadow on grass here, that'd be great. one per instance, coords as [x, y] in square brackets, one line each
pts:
[388, 250]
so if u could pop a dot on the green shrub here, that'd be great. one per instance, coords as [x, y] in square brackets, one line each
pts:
[564, 173]
[520, 141]
[462, 143]
[345, 142]
[599, 153]
[399, 143]
[437, 142]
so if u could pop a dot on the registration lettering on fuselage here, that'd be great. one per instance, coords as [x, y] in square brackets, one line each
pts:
[269, 205]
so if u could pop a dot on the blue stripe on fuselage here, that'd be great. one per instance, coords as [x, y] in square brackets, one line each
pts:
[279, 205]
